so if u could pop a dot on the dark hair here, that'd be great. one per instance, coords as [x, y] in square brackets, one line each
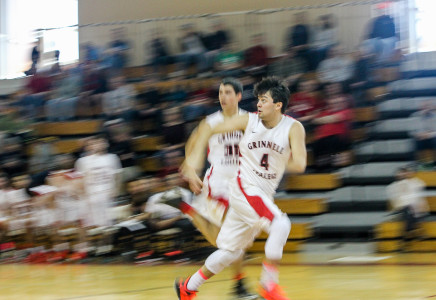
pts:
[235, 83]
[278, 90]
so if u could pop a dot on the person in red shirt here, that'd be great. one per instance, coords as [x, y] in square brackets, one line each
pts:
[256, 57]
[333, 133]
[304, 104]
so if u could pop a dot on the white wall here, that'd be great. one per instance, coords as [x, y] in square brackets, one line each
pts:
[352, 21]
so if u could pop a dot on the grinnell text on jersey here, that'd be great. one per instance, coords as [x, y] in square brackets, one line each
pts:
[229, 136]
[266, 144]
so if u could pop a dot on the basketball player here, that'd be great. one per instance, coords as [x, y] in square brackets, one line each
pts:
[101, 181]
[211, 205]
[269, 137]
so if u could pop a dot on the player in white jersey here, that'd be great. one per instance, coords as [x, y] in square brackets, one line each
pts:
[101, 177]
[272, 143]
[211, 205]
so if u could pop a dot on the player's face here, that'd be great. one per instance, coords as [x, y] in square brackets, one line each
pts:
[228, 98]
[266, 108]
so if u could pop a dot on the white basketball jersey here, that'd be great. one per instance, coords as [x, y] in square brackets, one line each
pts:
[99, 172]
[264, 153]
[223, 148]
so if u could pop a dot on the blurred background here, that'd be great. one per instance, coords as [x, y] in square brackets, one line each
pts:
[129, 80]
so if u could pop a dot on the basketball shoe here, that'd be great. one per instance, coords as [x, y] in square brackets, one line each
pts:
[274, 292]
[180, 285]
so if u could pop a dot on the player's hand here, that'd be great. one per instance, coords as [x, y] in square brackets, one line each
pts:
[190, 175]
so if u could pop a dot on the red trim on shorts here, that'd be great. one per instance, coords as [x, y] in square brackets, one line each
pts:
[221, 200]
[257, 203]
[200, 272]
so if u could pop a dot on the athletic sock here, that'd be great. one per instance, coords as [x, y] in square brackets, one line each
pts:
[270, 275]
[196, 280]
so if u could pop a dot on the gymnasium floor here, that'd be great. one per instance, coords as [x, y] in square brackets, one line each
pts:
[304, 277]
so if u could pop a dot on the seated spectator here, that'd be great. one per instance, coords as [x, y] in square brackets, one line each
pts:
[424, 133]
[63, 103]
[290, 67]
[333, 134]
[406, 197]
[382, 36]
[160, 56]
[324, 38]
[12, 159]
[248, 101]
[360, 81]
[335, 68]
[118, 51]
[298, 37]
[256, 57]
[229, 62]
[120, 143]
[193, 50]
[305, 105]
[119, 102]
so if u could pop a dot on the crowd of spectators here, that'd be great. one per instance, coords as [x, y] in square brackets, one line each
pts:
[326, 84]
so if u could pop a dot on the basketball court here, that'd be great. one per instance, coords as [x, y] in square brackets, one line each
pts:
[303, 276]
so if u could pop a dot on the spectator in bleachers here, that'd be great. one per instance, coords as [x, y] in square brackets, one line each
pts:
[12, 156]
[256, 57]
[290, 67]
[4, 206]
[139, 190]
[229, 62]
[120, 143]
[424, 133]
[298, 37]
[63, 103]
[304, 104]
[42, 156]
[406, 197]
[193, 50]
[218, 38]
[360, 81]
[333, 134]
[118, 50]
[337, 67]
[32, 104]
[382, 36]
[325, 37]
[56, 67]
[248, 101]
[120, 100]
[90, 52]
[160, 55]
[34, 56]
[164, 216]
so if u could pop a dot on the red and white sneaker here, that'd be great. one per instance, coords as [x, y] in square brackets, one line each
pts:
[274, 292]
[180, 285]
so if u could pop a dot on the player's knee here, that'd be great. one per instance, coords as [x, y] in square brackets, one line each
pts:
[221, 259]
[277, 238]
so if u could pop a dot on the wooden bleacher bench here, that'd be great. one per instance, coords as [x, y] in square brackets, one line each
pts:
[387, 74]
[365, 114]
[68, 128]
[376, 93]
[429, 177]
[62, 146]
[304, 206]
[311, 182]
[150, 164]
[147, 143]
[389, 234]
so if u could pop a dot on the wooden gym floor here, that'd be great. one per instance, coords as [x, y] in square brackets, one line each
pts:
[320, 277]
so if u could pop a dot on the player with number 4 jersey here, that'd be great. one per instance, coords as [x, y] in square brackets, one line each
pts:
[272, 143]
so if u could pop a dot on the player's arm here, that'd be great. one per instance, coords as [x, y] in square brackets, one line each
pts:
[195, 154]
[297, 139]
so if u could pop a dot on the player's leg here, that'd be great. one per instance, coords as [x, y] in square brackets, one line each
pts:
[278, 235]
[233, 238]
